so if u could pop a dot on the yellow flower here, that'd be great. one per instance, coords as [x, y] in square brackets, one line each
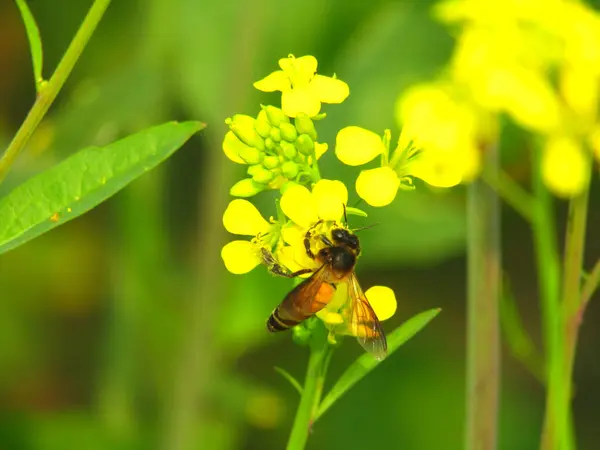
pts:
[565, 166]
[305, 208]
[379, 186]
[302, 89]
[241, 217]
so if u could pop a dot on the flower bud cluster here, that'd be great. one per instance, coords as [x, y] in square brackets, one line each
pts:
[275, 149]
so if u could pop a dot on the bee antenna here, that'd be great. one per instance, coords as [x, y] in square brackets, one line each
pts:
[365, 227]
[345, 214]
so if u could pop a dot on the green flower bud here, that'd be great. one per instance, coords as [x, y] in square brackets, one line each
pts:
[301, 335]
[288, 132]
[289, 151]
[246, 188]
[276, 134]
[305, 126]
[289, 169]
[262, 176]
[263, 127]
[251, 155]
[276, 116]
[304, 144]
[270, 162]
[252, 170]
[243, 127]
[269, 144]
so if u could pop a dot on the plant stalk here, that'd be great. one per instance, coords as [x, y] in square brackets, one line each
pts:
[573, 307]
[320, 353]
[484, 281]
[548, 267]
[48, 93]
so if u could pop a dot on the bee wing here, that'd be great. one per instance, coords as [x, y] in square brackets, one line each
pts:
[363, 322]
[308, 298]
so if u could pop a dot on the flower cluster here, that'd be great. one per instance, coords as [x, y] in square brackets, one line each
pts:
[281, 150]
[537, 62]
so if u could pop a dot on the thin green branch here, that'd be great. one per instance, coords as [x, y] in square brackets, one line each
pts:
[35, 43]
[47, 95]
[591, 284]
[483, 341]
[511, 192]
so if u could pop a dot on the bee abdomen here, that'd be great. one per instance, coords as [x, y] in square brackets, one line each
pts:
[276, 323]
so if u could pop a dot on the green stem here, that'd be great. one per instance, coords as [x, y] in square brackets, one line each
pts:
[483, 342]
[320, 353]
[50, 90]
[511, 192]
[591, 284]
[548, 267]
[572, 305]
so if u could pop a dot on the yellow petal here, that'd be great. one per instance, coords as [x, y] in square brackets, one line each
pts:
[378, 187]
[330, 318]
[300, 100]
[320, 149]
[382, 300]
[565, 167]
[232, 147]
[276, 81]
[242, 217]
[240, 256]
[355, 146]
[287, 256]
[439, 168]
[330, 197]
[303, 67]
[330, 90]
[298, 204]
[579, 89]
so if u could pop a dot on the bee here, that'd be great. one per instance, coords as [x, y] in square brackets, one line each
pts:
[336, 260]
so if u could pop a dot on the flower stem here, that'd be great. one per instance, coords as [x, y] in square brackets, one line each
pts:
[484, 280]
[50, 90]
[320, 354]
[511, 192]
[572, 304]
[548, 267]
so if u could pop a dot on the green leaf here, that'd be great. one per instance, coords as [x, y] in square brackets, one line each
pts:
[355, 211]
[365, 363]
[84, 180]
[35, 43]
[285, 374]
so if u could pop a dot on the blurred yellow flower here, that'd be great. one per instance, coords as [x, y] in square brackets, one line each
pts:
[302, 89]
[565, 166]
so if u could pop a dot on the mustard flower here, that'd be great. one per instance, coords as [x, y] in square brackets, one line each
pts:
[379, 186]
[565, 166]
[302, 90]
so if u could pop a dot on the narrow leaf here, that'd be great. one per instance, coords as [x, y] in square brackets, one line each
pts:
[285, 374]
[355, 211]
[365, 363]
[35, 43]
[85, 180]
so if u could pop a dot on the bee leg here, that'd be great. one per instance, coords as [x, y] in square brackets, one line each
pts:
[308, 237]
[277, 269]
[284, 272]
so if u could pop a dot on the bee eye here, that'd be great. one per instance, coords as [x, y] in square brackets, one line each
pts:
[337, 234]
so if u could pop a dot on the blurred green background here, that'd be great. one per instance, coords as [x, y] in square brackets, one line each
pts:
[122, 329]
